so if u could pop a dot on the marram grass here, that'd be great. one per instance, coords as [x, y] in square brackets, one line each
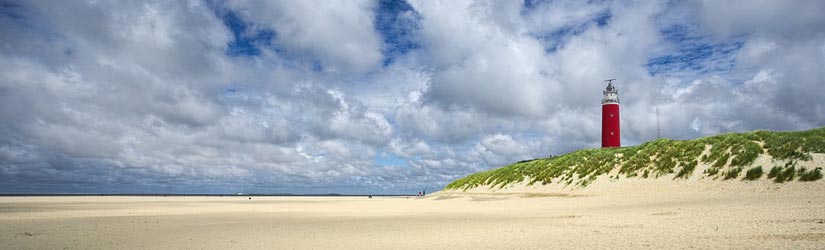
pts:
[728, 155]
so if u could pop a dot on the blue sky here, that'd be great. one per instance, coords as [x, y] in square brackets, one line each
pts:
[376, 96]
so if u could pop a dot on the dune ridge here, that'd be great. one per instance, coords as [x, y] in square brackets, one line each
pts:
[753, 156]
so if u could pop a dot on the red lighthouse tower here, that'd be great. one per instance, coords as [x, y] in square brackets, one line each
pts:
[611, 136]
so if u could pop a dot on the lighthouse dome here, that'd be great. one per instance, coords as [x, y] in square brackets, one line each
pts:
[611, 88]
[611, 95]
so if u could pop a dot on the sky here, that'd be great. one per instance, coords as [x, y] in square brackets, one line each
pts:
[369, 97]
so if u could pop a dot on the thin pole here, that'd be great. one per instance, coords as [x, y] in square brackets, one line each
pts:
[658, 129]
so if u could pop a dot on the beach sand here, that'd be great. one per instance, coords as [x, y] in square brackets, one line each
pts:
[627, 214]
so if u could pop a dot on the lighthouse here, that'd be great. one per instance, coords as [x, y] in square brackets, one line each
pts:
[611, 136]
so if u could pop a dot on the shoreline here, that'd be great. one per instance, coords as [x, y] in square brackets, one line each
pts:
[207, 195]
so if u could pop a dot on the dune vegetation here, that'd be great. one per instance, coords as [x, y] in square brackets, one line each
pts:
[726, 156]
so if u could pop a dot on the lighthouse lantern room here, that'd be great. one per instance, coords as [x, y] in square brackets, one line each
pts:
[611, 136]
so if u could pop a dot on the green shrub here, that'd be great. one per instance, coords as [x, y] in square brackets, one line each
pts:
[687, 169]
[733, 173]
[775, 171]
[753, 173]
[811, 175]
[712, 171]
[789, 173]
[721, 161]
[786, 175]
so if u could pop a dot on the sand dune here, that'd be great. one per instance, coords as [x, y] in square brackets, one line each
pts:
[629, 214]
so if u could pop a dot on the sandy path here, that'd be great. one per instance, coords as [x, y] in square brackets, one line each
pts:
[732, 216]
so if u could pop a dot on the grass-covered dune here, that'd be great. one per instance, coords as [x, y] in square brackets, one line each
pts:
[782, 157]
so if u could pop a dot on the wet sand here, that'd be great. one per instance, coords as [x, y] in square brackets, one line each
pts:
[640, 214]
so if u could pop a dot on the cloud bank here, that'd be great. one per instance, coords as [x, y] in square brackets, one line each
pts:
[377, 96]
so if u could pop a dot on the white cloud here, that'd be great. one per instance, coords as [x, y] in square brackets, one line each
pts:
[484, 59]
[410, 148]
[338, 34]
[790, 19]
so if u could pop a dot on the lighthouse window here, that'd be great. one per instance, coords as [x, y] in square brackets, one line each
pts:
[611, 132]
[611, 115]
